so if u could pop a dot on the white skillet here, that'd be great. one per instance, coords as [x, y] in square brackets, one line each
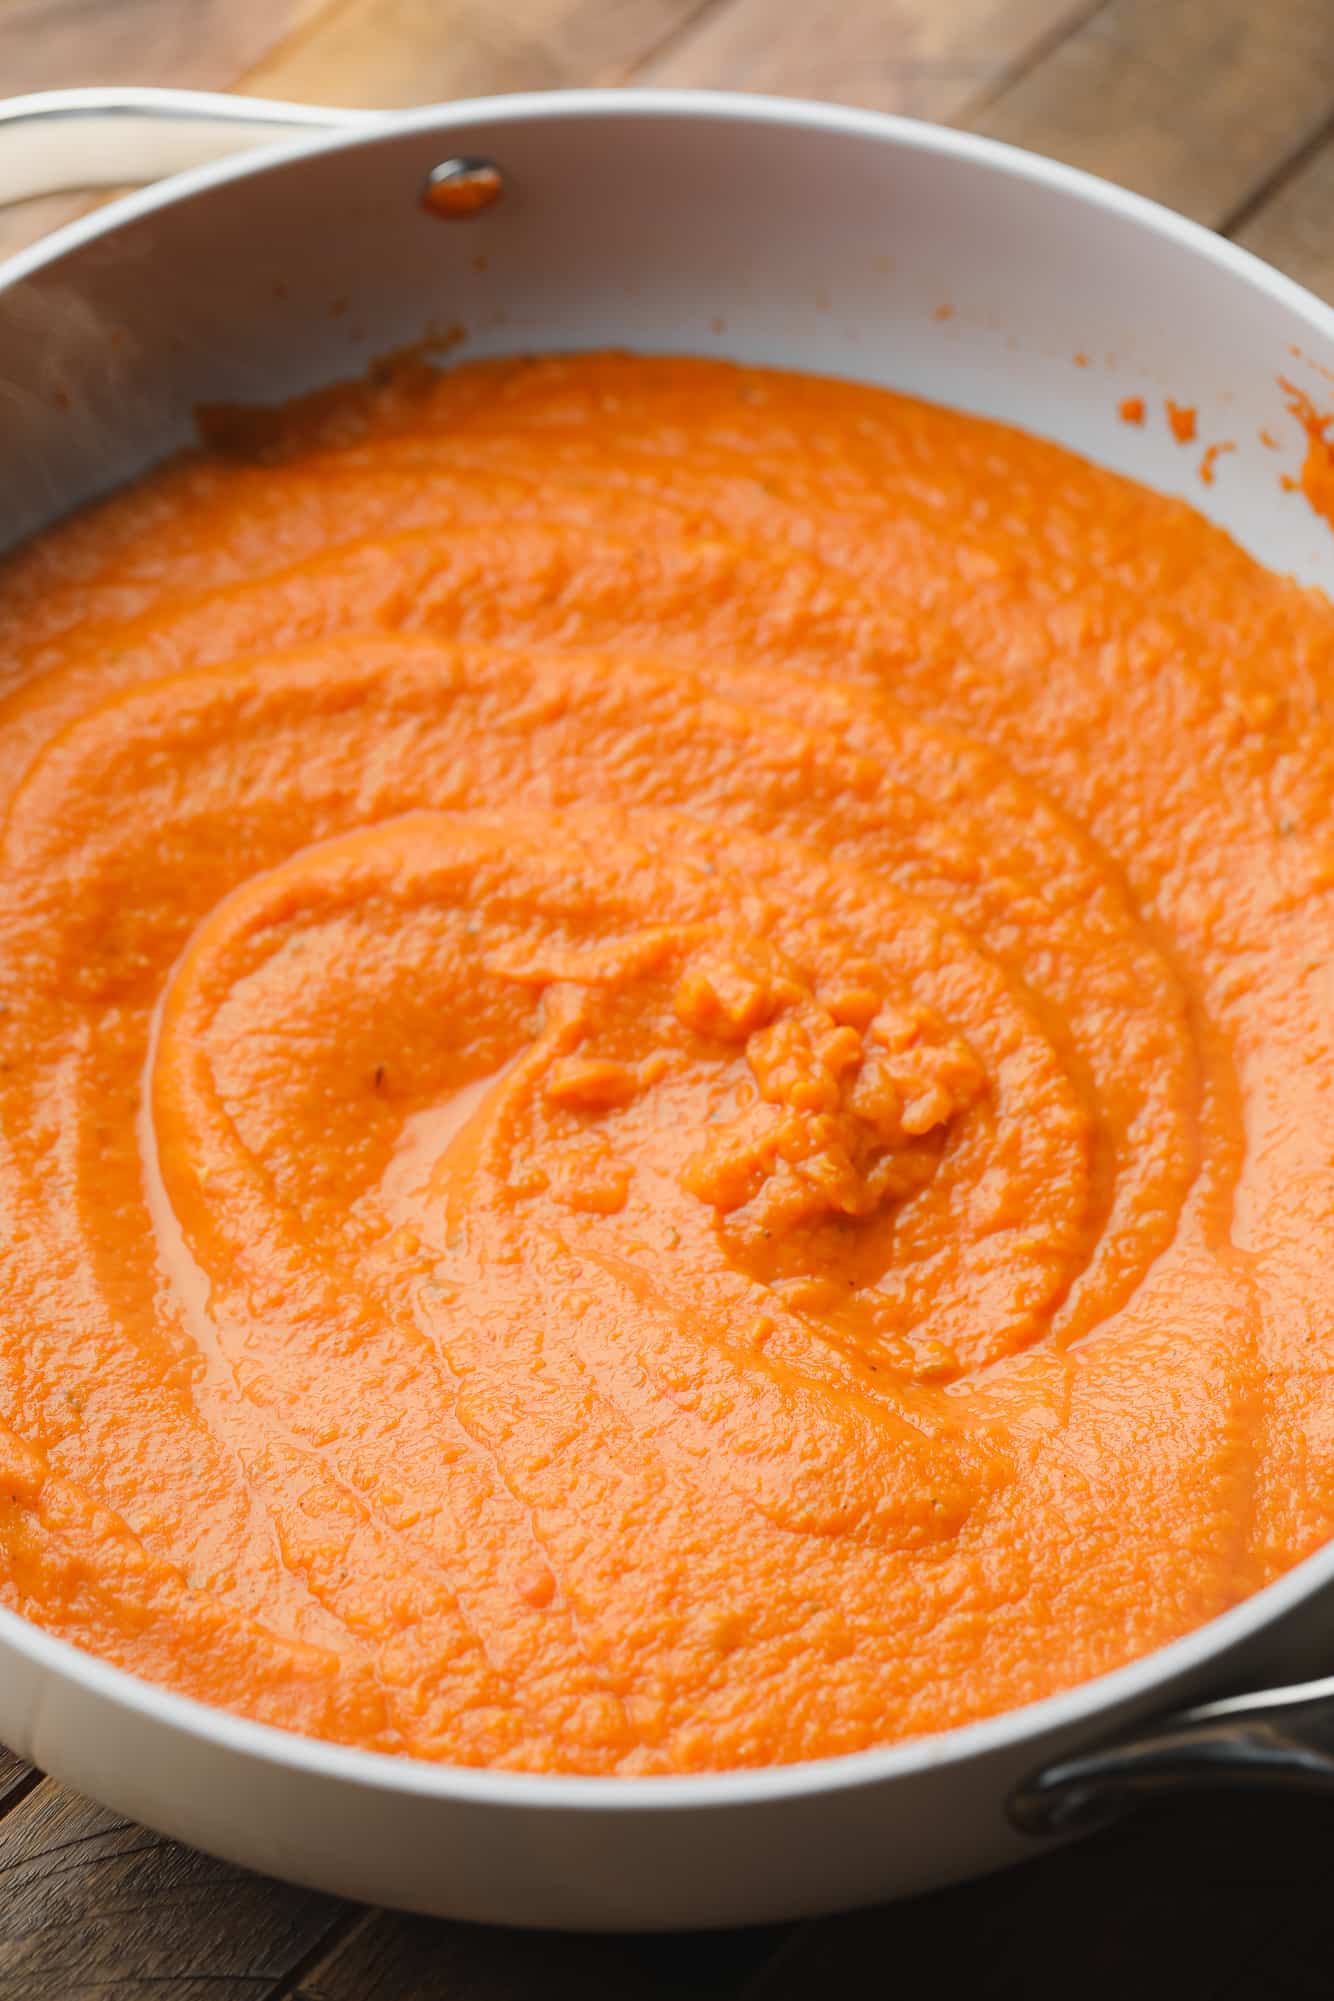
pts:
[781, 232]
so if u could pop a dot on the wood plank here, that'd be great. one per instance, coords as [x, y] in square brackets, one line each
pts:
[1294, 226]
[914, 56]
[197, 44]
[16, 1779]
[92, 1905]
[1196, 103]
[398, 52]
[393, 1958]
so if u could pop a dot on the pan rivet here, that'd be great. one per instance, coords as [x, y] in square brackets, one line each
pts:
[459, 188]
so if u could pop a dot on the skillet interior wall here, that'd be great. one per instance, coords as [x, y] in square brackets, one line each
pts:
[802, 237]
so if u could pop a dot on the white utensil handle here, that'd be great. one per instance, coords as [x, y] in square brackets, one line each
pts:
[59, 140]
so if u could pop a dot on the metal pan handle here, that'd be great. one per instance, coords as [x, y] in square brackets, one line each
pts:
[1280, 1737]
[59, 140]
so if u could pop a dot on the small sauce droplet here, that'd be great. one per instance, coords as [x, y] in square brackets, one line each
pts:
[1210, 460]
[1317, 474]
[1181, 417]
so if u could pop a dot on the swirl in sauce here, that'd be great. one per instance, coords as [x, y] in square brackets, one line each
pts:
[665, 1096]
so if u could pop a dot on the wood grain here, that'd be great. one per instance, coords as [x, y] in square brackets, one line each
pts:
[91, 1905]
[1294, 227]
[913, 56]
[391, 1958]
[397, 52]
[202, 44]
[1195, 102]
[16, 1778]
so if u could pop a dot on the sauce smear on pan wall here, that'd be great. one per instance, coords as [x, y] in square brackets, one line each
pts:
[666, 1092]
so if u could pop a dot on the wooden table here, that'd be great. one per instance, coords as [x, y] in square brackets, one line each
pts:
[1221, 108]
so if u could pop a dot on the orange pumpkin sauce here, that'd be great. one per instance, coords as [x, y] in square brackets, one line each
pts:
[666, 1094]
